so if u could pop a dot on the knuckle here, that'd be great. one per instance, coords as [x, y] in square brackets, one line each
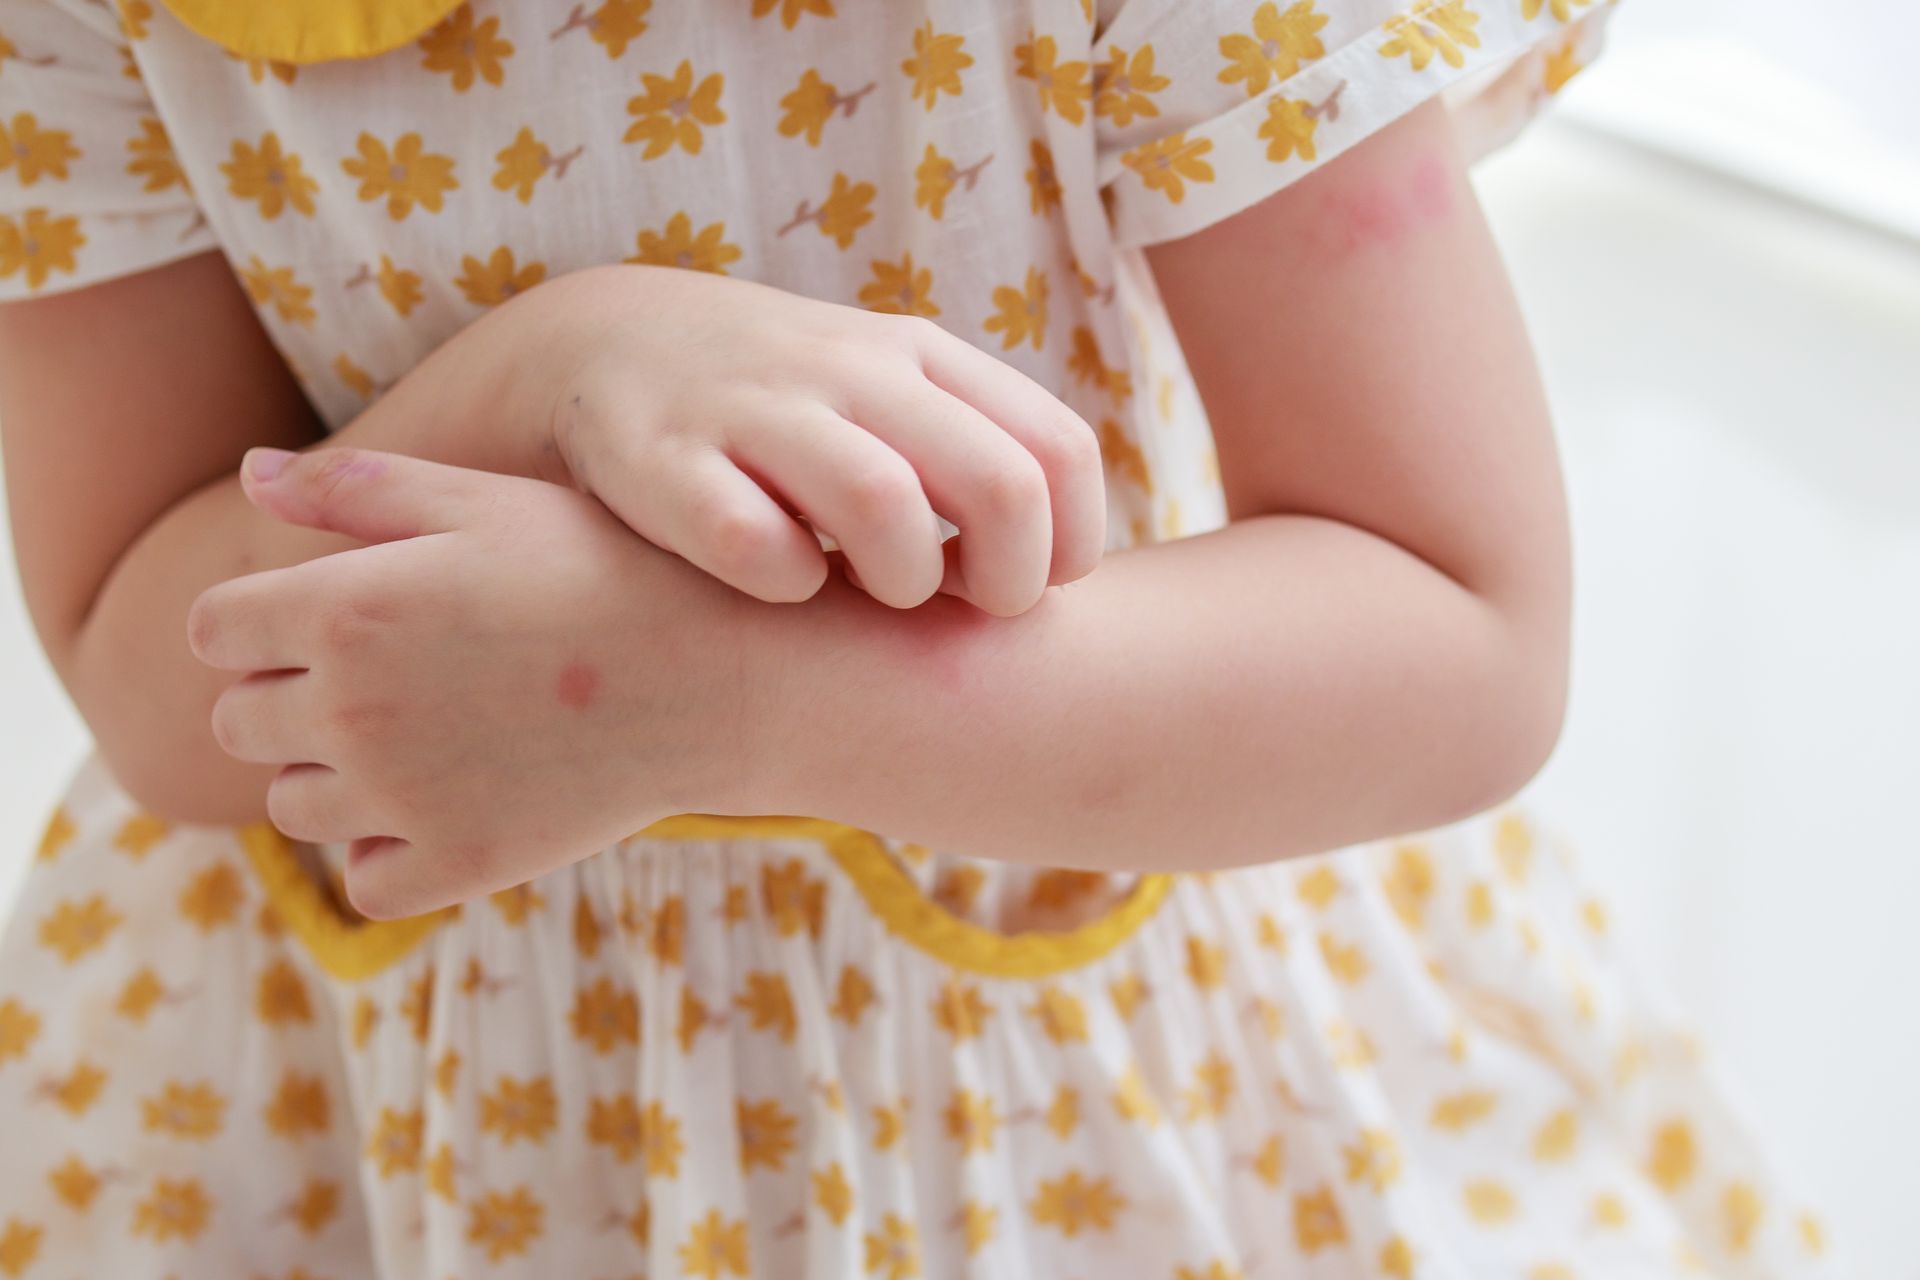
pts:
[203, 625]
[352, 722]
[225, 730]
[733, 538]
[1011, 490]
[287, 810]
[349, 625]
[877, 493]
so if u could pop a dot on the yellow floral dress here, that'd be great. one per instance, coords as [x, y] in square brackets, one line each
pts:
[781, 1047]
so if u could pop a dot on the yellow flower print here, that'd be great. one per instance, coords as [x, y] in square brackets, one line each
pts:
[516, 903]
[841, 216]
[1430, 26]
[1374, 1159]
[1409, 884]
[1318, 887]
[812, 103]
[715, 1247]
[184, 1110]
[1351, 1047]
[1206, 963]
[1059, 889]
[1396, 1259]
[1134, 1100]
[957, 888]
[1557, 1136]
[1272, 1018]
[401, 288]
[1479, 904]
[1087, 366]
[1741, 1210]
[1128, 993]
[19, 1246]
[134, 16]
[669, 931]
[1043, 182]
[768, 1005]
[1022, 313]
[298, 1107]
[416, 1007]
[852, 996]
[58, 834]
[366, 1016]
[1061, 1015]
[1122, 85]
[1270, 1162]
[936, 64]
[972, 1120]
[832, 1193]
[893, 1253]
[525, 160]
[514, 1110]
[1215, 1270]
[39, 245]
[1672, 1161]
[394, 1146]
[613, 26]
[587, 930]
[977, 1223]
[259, 68]
[269, 176]
[464, 49]
[1513, 846]
[488, 284]
[1458, 1111]
[1064, 86]
[889, 1123]
[1562, 9]
[937, 175]
[694, 1018]
[1317, 1222]
[75, 928]
[1488, 1202]
[317, 1205]
[1609, 1211]
[1212, 1090]
[213, 898]
[791, 11]
[1075, 1203]
[33, 152]
[177, 1207]
[1563, 64]
[793, 899]
[20, 1027]
[960, 1011]
[672, 109]
[77, 1091]
[1344, 960]
[1167, 164]
[407, 175]
[1813, 1234]
[74, 1183]
[604, 1016]
[356, 379]
[278, 287]
[766, 1133]
[1289, 128]
[505, 1225]
[1063, 1113]
[446, 1072]
[440, 1173]
[899, 288]
[677, 246]
[1279, 44]
[1123, 456]
[154, 159]
[1551, 1271]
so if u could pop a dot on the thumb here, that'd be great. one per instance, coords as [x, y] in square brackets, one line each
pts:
[362, 493]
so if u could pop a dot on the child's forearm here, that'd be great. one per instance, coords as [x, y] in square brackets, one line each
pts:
[1282, 686]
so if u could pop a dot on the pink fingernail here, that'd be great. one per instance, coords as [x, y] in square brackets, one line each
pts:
[265, 464]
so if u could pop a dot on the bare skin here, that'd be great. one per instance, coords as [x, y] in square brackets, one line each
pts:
[1377, 643]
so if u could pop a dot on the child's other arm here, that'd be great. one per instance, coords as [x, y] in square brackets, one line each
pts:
[1376, 644]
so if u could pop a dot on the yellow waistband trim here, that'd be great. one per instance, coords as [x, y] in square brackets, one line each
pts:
[351, 949]
[310, 30]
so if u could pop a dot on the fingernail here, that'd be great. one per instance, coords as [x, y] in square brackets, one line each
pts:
[265, 464]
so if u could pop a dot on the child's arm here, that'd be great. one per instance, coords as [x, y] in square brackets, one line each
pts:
[1377, 644]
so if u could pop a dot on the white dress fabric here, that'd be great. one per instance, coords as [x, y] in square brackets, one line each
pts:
[782, 1047]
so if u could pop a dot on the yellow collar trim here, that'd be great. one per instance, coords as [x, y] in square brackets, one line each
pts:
[303, 31]
[351, 949]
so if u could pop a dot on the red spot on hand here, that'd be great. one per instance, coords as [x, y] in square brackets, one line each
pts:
[578, 685]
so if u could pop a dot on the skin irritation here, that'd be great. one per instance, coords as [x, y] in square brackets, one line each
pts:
[1382, 213]
[577, 686]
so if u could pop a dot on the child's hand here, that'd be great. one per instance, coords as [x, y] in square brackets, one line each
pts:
[509, 681]
[698, 397]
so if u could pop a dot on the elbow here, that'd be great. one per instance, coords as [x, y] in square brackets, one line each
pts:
[1524, 715]
[168, 770]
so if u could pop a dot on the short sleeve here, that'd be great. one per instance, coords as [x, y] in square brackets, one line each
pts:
[89, 184]
[1204, 107]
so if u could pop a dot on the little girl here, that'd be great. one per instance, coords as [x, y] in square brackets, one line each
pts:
[731, 403]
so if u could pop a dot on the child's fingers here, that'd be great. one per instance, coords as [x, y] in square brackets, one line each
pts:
[364, 493]
[977, 476]
[268, 718]
[1060, 440]
[312, 802]
[855, 488]
[714, 516]
[386, 879]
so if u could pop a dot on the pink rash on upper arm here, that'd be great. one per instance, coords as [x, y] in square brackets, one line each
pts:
[578, 685]
[1385, 211]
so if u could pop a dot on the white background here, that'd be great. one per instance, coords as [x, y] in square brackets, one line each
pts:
[1736, 380]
